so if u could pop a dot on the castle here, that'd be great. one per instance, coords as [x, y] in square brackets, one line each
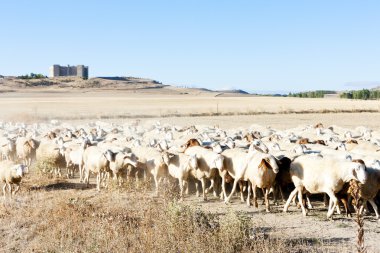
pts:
[79, 70]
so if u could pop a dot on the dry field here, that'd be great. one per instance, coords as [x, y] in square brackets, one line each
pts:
[52, 215]
[193, 108]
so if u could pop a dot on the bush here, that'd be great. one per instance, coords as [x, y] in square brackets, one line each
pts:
[361, 94]
[32, 76]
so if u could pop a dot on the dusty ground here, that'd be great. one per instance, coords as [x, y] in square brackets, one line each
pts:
[315, 230]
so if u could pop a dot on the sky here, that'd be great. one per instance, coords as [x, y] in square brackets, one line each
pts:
[250, 45]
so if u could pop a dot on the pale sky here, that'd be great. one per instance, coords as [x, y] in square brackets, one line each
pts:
[250, 45]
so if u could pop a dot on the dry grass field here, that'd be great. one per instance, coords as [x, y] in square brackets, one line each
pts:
[51, 215]
[193, 108]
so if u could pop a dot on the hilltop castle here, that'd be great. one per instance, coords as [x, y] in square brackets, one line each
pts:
[79, 70]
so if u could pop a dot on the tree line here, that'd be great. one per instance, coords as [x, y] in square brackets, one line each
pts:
[361, 94]
[312, 94]
[32, 76]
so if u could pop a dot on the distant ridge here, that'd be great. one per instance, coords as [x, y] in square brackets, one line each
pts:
[126, 83]
[233, 91]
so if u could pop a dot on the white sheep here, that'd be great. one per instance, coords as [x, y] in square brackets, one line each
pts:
[8, 150]
[120, 163]
[153, 161]
[180, 166]
[209, 163]
[322, 175]
[11, 173]
[96, 161]
[55, 153]
[26, 149]
[258, 168]
[74, 157]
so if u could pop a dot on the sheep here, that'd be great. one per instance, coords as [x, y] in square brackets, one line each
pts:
[97, 162]
[11, 173]
[8, 149]
[121, 161]
[208, 161]
[55, 153]
[26, 149]
[258, 168]
[259, 144]
[261, 173]
[368, 190]
[74, 157]
[180, 166]
[283, 178]
[234, 160]
[322, 175]
[154, 162]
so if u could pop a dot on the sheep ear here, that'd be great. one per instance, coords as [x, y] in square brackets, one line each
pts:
[263, 164]
[110, 156]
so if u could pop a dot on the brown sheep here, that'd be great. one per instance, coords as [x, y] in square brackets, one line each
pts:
[191, 143]
[304, 141]
[320, 142]
[319, 125]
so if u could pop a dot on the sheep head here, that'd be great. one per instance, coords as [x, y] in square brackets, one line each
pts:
[269, 162]
[20, 170]
[359, 171]
[109, 155]
[130, 158]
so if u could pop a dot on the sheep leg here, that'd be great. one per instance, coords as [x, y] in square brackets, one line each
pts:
[291, 196]
[203, 181]
[249, 194]
[267, 207]
[227, 200]
[282, 194]
[373, 204]
[81, 172]
[300, 200]
[274, 190]
[241, 191]
[345, 204]
[186, 186]
[338, 211]
[223, 194]
[181, 182]
[211, 185]
[10, 190]
[98, 180]
[197, 189]
[325, 200]
[333, 201]
[16, 190]
[361, 209]
[4, 187]
[294, 200]
[156, 183]
[254, 195]
[216, 187]
[309, 205]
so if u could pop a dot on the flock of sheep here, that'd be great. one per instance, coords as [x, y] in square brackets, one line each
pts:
[307, 159]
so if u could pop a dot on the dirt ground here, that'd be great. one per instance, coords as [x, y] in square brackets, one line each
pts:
[337, 235]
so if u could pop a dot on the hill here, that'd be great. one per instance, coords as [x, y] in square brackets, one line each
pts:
[76, 84]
